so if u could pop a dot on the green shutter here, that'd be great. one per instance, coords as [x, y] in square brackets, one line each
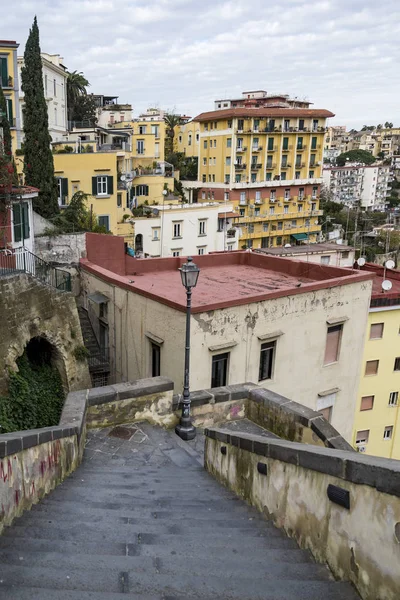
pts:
[313, 143]
[17, 223]
[132, 192]
[285, 143]
[25, 217]
[10, 111]
[64, 187]
[146, 190]
[110, 185]
[94, 186]
[270, 143]
[4, 72]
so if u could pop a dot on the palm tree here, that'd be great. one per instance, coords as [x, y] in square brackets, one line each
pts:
[171, 121]
[76, 87]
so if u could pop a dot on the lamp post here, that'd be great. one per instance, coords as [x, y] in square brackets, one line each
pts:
[189, 274]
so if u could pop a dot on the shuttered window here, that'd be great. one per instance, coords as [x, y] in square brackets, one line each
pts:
[3, 71]
[367, 403]
[362, 436]
[371, 367]
[376, 331]
[332, 348]
[102, 185]
[21, 222]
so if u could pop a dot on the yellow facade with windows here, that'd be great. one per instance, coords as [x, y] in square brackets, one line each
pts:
[187, 139]
[147, 139]
[377, 417]
[9, 83]
[268, 163]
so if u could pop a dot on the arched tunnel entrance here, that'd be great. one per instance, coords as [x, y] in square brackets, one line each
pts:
[36, 392]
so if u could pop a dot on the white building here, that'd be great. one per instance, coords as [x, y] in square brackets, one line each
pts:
[110, 111]
[55, 92]
[355, 183]
[186, 229]
[336, 255]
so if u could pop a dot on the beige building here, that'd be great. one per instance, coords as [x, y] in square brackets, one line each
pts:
[337, 255]
[293, 327]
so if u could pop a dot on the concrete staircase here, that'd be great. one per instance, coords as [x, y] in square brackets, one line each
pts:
[142, 518]
[89, 338]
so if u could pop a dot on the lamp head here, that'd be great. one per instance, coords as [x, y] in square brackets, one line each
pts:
[189, 273]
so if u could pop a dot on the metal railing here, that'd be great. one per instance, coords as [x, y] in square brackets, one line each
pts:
[99, 359]
[21, 260]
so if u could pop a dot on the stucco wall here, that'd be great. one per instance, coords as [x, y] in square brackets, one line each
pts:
[298, 322]
[61, 249]
[30, 309]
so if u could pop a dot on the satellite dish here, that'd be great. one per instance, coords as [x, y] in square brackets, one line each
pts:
[155, 212]
[361, 261]
[386, 285]
[389, 264]
[123, 178]
[288, 246]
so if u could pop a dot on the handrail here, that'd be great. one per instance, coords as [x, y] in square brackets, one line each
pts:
[22, 260]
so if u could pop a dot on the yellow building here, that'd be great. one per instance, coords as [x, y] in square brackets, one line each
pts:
[377, 417]
[9, 83]
[267, 161]
[187, 139]
[148, 139]
[116, 169]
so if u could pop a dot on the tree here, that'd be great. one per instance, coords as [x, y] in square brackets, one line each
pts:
[171, 121]
[76, 88]
[5, 125]
[77, 217]
[38, 159]
[85, 109]
[379, 126]
[362, 156]
[388, 125]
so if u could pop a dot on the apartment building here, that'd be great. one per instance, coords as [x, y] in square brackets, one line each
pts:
[377, 416]
[115, 170]
[297, 328]
[55, 92]
[11, 90]
[259, 99]
[358, 184]
[337, 141]
[110, 111]
[185, 229]
[337, 255]
[267, 162]
[187, 139]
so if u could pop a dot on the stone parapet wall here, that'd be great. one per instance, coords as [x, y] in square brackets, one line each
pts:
[343, 506]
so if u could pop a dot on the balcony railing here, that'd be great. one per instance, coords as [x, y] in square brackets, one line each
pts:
[21, 260]
[255, 166]
[287, 166]
[241, 148]
[301, 148]
[288, 149]
[256, 149]
[272, 149]
[270, 166]
[240, 166]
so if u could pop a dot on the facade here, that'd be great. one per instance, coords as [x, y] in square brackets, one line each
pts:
[187, 139]
[16, 225]
[55, 92]
[337, 141]
[110, 111]
[267, 162]
[186, 229]
[377, 416]
[359, 184]
[260, 98]
[10, 85]
[338, 255]
[296, 328]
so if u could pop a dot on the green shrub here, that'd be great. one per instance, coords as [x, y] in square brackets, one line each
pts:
[80, 353]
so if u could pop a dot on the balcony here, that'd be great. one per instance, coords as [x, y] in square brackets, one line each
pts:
[241, 148]
[255, 166]
[123, 147]
[272, 149]
[288, 149]
[300, 165]
[286, 166]
[256, 149]
[270, 166]
[240, 166]
[301, 149]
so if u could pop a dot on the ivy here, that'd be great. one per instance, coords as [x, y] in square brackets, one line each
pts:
[35, 397]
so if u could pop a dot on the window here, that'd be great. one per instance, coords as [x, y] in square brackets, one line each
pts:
[327, 413]
[119, 200]
[101, 186]
[315, 124]
[367, 402]
[253, 177]
[242, 197]
[271, 124]
[371, 367]
[155, 360]
[228, 161]
[204, 161]
[202, 227]
[284, 160]
[286, 124]
[258, 196]
[176, 252]
[203, 195]
[279, 240]
[313, 143]
[3, 71]
[298, 160]
[21, 221]
[325, 260]
[362, 436]
[229, 143]
[242, 212]
[280, 224]
[286, 209]
[376, 331]
[219, 369]
[104, 221]
[265, 226]
[62, 191]
[301, 124]
[210, 160]
[227, 180]
[285, 143]
[226, 195]
[314, 191]
[257, 211]
[205, 144]
[142, 190]
[397, 364]
[251, 228]
[268, 177]
[311, 174]
[256, 124]
[297, 175]
[177, 230]
[201, 250]
[393, 398]
[267, 356]
[270, 144]
[299, 143]
[154, 130]
[238, 178]
[271, 210]
[332, 347]
[142, 129]
[294, 223]
[55, 87]
[283, 176]
[388, 432]
[312, 160]
[229, 123]
[140, 146]
[301, 193]
[156, 234]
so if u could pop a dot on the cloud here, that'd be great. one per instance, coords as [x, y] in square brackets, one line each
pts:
[185, 53]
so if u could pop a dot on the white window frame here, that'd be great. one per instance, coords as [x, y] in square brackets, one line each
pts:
[176, 252]
[104, 216]
[140, 147]
[177, 230]
[102, 186]
[393, 398]
[388, 432]
[202, 227]
[201, 250]
[156, 234]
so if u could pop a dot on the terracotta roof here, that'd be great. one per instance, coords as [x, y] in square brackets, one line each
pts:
[228, 214]
[263, 112]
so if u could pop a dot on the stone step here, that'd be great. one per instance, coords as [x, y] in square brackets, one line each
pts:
[182, 583]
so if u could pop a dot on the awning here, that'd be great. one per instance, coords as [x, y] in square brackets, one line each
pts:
[228, 215]
[98, 298]
[299, 237]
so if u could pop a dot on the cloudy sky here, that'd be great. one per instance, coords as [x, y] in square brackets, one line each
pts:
[341, 54]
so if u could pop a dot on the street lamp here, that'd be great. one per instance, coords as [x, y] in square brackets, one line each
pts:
[189, 274]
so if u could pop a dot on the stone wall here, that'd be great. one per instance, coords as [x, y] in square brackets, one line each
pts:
[343, 506]
[66, 249]
[31, 309]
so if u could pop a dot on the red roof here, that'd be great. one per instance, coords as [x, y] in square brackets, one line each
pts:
[263, 112]
[392, 275]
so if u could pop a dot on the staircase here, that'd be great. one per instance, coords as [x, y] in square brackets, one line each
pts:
[21, 260]
[98, 359]
[142, 519]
